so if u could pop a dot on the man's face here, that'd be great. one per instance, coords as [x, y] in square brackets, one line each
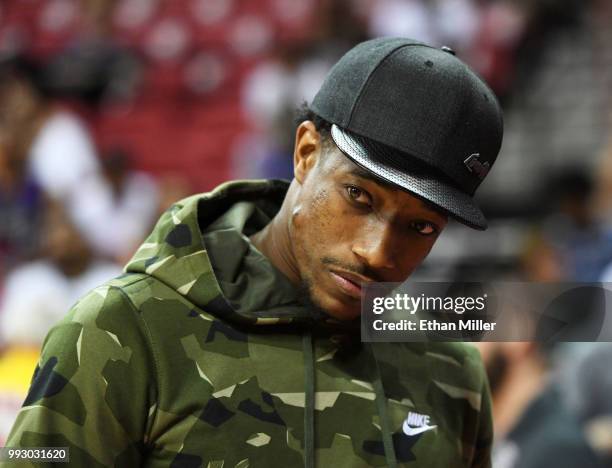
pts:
[348, 228]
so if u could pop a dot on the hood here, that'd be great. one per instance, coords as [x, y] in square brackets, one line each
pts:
[200, 248]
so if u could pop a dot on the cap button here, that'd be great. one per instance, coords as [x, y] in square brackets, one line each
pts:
[448, 49]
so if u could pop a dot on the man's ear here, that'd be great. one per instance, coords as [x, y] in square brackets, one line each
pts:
[307, 149]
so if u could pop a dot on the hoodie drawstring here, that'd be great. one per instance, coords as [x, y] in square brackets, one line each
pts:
[385, 425]
[309, 400]
[381, 403]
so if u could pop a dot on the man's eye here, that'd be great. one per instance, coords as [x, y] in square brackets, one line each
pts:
[357, 195]
[425, 228]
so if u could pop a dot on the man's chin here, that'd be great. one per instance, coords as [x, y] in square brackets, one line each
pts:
[340, 308]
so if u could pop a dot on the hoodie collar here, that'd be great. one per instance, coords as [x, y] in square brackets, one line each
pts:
[200, 248]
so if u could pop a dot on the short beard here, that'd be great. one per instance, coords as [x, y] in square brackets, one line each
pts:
[307, 298]
[319, 314]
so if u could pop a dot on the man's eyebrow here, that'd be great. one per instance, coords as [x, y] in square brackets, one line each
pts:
[364, 174]
[359, 171]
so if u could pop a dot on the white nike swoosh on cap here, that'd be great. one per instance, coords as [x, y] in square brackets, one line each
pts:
[411, 431]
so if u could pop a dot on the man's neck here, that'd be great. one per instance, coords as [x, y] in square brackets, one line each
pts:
[275, 243]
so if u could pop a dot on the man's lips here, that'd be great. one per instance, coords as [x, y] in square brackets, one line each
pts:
[350, 283]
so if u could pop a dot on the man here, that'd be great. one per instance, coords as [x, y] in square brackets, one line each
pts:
[230, 340]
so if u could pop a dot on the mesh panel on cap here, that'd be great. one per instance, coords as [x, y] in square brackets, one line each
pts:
[422, 183]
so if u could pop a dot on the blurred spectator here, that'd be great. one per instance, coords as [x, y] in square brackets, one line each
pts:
[20, 205]
[574, 229]
[603, 195]
[60, 154]
[587, 389]
[112, 205]
[36, 296]
[281, 83]
[39, 293]
[118, 213]
[499, 33]
[270, 95]
[451, 22]
[407, 18]
[93, 68]
[540, 261]
[532, 427]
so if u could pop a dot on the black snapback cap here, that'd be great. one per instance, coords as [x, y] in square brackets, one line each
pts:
[416, 116]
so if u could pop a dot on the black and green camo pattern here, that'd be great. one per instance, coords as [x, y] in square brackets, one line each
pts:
[194, 358]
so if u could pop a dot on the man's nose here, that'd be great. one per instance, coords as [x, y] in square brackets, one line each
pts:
[377, 248]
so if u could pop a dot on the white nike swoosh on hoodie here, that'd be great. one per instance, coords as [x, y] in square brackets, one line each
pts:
[411, 431]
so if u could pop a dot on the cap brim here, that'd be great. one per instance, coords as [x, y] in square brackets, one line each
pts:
[411, 175]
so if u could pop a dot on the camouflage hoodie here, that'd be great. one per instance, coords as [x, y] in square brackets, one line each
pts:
[202, 355]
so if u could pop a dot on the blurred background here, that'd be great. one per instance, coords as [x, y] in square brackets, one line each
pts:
[110, 110]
